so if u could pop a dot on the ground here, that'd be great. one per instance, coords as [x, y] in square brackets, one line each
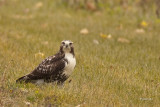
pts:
[117, 52]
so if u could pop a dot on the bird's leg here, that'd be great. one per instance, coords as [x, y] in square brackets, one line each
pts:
[60, 84]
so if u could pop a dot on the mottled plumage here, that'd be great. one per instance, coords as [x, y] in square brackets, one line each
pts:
[56, 68]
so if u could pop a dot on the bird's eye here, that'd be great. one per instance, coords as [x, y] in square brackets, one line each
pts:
[70, 43]
[63, 43]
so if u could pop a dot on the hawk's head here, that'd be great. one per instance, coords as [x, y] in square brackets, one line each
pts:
[67, 46]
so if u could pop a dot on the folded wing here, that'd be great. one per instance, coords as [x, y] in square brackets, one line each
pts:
[49, 67]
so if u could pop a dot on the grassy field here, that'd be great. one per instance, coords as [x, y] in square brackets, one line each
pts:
[122, 69]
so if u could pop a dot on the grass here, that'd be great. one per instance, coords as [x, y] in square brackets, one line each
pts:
[111, 73]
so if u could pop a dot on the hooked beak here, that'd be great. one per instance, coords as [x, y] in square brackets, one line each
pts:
[66, 46]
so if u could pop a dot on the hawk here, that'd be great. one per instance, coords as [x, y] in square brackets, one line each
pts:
[56, 68]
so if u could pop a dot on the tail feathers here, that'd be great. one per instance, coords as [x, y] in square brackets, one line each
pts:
[23, 79]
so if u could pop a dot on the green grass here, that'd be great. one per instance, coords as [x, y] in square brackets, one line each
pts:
[109, 74]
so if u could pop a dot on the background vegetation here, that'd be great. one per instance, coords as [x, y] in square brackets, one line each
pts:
[116, 46]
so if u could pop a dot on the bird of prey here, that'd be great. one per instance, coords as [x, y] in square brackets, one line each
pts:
[55, 69]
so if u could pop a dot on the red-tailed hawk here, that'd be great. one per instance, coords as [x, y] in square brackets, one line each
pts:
[56, 68]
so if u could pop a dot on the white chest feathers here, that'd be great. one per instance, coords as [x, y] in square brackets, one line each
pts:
[69, 67]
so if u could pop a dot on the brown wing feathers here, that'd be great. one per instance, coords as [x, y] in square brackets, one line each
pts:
[50, 66]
